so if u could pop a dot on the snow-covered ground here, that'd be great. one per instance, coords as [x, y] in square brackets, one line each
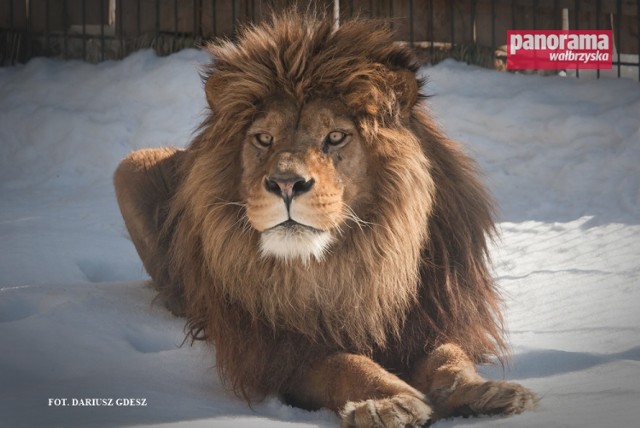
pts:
[561, 155]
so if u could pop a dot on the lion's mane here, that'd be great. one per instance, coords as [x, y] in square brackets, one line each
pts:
[413, 277]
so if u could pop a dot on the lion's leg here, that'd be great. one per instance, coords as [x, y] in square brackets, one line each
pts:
[361, 392]
[450, 380]
[145, 181]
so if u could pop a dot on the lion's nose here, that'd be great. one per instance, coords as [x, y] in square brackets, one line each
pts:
[288, 186]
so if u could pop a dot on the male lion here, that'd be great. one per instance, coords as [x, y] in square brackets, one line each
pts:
[322, 234]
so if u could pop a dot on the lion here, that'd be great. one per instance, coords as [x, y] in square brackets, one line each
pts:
[322, 234]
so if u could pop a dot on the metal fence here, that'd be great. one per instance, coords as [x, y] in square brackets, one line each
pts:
[468, 30]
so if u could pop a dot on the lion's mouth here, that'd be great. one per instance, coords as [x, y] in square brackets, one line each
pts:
[294, 226]
[291, 240]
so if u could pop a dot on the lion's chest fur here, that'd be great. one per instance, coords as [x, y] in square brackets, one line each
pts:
[353, 298]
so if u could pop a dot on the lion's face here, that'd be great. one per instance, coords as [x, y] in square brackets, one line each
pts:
[304, 174]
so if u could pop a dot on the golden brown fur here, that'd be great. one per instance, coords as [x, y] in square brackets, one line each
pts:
[403, 287]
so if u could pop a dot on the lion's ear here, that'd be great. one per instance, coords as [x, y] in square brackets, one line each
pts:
[407, 89]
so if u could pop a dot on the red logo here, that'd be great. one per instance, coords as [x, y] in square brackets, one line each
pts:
[551, 49]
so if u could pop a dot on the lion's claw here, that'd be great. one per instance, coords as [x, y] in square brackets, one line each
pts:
[399, 411]
[495, 397]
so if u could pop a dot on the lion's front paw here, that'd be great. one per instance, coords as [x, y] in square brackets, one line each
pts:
[493, 398]
[398, 411]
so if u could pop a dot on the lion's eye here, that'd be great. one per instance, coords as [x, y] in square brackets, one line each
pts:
[335, 138]
[264, 140]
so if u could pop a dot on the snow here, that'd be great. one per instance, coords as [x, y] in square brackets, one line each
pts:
[77, 318]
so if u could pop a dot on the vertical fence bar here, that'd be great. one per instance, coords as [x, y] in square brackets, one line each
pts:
[29, 37]
[46, 27]
[411, 22]
[618, 24]
[598, 11]
[493, 25]
[196, 30]
[473, 20]
[391, 14]
[535, 19]
[118, 23]
[102, 30]
[370, 8]
[452, 35]
[576, 25]
[213, 18]
[431, 32]
[138, 18]
[175, 18]
[174, 38]
[14, 52]
[65, 30]
[157, 19]
[638, 33]
[84, 31]
[233, 16]
[556, 15]
[513, 14]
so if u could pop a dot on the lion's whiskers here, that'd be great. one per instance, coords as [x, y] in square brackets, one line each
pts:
[350, 214]
[243, 223]
[244, 227]
[224, 203]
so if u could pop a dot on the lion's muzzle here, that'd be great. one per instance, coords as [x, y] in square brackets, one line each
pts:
[296, 228]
